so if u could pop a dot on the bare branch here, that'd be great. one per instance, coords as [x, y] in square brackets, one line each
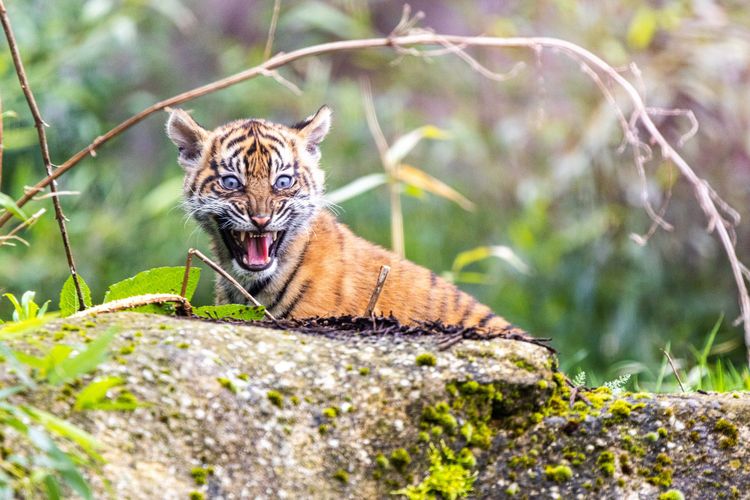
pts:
[39, 123]
[27, 223]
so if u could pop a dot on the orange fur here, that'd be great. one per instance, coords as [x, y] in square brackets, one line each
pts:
[320, 268]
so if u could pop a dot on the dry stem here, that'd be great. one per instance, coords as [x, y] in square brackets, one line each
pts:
[213, 265]
[384, 270]
[674, 369]
[715, 211]
[39, 124]
[183, 307]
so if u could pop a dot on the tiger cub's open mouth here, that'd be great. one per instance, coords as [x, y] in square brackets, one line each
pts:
[253, 251]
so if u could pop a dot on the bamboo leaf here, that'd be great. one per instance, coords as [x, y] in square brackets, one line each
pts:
[356, 188]
[422, 180]
[9, 204]
[477, 254]
[407, 142]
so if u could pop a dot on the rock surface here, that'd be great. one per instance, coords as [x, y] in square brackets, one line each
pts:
[259, 413]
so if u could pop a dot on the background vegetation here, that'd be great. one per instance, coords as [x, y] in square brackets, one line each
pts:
[537, 154]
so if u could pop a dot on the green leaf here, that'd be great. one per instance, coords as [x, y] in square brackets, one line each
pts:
[86, 361]
[230, 311]
[356, 188]
[18, 328]
[9, 204]
[69, 298]
[53, 487]
[477, 254]
[407, 142]
[65, 429]
[413, 176]
[642, 28]
[157, 280]
[95, 392]
[17, 308]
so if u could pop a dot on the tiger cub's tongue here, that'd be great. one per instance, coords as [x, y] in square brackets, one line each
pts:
[258, 248]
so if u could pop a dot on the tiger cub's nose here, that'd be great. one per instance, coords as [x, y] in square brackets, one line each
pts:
[260, 220]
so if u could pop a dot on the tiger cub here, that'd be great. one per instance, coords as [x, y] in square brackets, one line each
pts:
[256, 188]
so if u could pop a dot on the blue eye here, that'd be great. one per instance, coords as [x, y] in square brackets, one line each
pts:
[230, 182]
[283, 182]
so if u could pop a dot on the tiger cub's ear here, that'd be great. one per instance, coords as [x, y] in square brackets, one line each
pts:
[313, 130]
[188, 136]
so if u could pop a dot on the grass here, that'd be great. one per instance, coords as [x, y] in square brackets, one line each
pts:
[704, 369]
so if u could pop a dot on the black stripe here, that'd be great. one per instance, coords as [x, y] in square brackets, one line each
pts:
[258, 286]
[234, 142]
[469, 309]
[486, 319]
[290, 308]
[252, 148]
[282, 292]
[204, 181]
[456, 300]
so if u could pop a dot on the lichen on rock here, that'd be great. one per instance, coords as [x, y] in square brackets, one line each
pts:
[238, 411]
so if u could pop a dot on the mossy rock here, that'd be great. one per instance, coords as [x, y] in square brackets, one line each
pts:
[241, 409]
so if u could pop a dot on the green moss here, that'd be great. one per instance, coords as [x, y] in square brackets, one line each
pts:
[331, 412]
[662, 432]
[381, 461]
[606, 463]
[423, 437]
[364, 371]
[477, 434]
[524, 461]
[226, 384]
[728, 431]
[127, 349]
[426, 359]
[183, 345]
[200, 475]
[651, 436]
[449, 477]
[294, 400]
[275, 397]
[575, 458]
[524, 365]
[400, 458]
[440, 415]
[342, 476]
[542, 384]
[661, 472]
[620, 409]
[67, 327]
[558, 473]
[672, 495]
[512, 490]
[244, 377]
[196, 495]
[324, 429]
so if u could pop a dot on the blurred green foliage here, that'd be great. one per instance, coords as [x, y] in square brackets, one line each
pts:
[537, 154]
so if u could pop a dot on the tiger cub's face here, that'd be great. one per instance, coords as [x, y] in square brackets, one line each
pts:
[254, 186]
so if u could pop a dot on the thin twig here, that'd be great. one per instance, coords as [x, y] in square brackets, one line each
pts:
[702, 192]
[56, 193]
[674, 369]
[27, 223]
[272, 29]
[39, 123]
[183, 307]
[213, 265]
[384, 270]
